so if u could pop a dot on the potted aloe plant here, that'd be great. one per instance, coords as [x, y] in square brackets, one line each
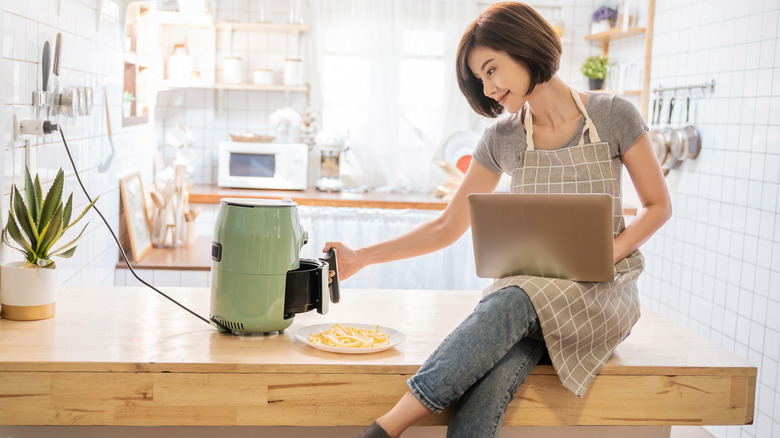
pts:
[28, 288]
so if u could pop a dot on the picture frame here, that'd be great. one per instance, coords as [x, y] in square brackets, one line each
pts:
[136, 219]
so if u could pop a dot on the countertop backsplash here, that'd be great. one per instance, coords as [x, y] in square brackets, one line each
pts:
[91, 56]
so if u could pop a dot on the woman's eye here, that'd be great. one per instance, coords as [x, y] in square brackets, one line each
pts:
[490, 71]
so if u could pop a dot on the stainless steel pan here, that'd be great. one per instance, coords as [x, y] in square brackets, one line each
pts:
[656, 136]
[678, 138]
[686, 142]
[670, 162]
[694, 139]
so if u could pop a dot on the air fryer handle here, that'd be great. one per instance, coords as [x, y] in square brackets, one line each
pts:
[333, 287]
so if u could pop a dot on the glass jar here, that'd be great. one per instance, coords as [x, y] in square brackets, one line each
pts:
[179, 64]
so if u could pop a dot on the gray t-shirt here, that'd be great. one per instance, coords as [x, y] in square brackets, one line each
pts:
[617, 121]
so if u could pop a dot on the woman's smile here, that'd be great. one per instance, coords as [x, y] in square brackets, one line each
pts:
[502, 100]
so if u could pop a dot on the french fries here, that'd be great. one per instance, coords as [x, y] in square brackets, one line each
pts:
[350, 337]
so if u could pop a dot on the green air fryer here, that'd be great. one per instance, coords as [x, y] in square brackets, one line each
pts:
[258, 280]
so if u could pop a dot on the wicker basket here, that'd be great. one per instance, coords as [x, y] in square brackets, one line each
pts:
[249, 137]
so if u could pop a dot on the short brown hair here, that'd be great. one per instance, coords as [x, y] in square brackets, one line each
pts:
[518, 30]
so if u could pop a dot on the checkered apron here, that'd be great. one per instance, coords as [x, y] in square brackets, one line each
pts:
[582, 322]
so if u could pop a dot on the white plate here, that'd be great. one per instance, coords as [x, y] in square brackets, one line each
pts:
[459, 144]
[395, 336]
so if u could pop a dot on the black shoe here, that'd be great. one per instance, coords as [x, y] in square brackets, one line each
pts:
[374, 431]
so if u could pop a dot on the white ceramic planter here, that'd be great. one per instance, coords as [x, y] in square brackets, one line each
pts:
[600, 26]
[27, 293]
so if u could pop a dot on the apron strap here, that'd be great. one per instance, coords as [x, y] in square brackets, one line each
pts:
[589, 126]
[529, 128]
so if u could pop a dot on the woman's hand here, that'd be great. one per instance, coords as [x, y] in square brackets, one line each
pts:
[347, 260]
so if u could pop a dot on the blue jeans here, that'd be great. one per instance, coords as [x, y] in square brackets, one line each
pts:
[482, 363]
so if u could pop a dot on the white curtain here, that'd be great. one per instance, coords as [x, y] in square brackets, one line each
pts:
[450, 268]
[384, 71]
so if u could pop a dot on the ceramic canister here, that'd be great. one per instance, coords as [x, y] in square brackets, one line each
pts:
[263, 76]
[233, 70]
[293, 71]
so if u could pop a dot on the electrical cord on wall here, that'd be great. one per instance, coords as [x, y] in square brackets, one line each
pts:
[50, 128]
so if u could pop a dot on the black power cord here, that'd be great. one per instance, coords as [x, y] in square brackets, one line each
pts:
[50, 128]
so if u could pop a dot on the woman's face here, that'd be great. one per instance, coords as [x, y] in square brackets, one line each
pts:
[503, 79]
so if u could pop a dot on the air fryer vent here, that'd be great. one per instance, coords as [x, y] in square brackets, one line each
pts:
[230, 324]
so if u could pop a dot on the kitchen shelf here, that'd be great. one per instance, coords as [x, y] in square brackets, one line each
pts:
[139, 60]
[271, 27]
[618, 33]
[180, 19]
[256, 87]
[615, 34]
[161, 24]
[170, 85]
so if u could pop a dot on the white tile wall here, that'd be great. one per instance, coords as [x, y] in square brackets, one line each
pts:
[91, 56]
[715, 266]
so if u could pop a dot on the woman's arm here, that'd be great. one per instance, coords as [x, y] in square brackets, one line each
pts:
[428, 237]
[642, 165]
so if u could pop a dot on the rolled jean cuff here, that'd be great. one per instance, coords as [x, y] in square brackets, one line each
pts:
[422, 398]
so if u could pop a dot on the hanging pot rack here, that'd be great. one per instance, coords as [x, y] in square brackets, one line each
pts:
[705, 87]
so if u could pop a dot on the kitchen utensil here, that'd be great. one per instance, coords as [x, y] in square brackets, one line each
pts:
[259, 282]
[678, 138]
[670, 162]
[45, 65]
[54, 100]
[656, 136]
[330, 170]
[694, 139]
[57, 49]
[157, 199]
[107, 162]
[82, 101]
[394, 336]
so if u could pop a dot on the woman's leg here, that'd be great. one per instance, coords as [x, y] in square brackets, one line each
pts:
[480, 411]
[499, 322]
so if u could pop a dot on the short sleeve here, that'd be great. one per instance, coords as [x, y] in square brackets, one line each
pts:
[627, 124]
[485, 152]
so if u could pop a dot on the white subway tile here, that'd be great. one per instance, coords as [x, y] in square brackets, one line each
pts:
[769, 194]
[772, 168]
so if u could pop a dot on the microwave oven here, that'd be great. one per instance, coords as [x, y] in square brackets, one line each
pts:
[262, 165]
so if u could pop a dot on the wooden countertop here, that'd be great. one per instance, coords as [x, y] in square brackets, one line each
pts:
[211, 194]
[192, 257]
[115, 355]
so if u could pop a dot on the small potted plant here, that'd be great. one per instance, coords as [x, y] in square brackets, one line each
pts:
[595, 69]
[604, 18]
[28, 288]
[127, 103]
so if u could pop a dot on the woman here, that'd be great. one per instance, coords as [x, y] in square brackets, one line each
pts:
[554, 140]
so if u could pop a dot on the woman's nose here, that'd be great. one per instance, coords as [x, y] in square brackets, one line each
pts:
[488, 88]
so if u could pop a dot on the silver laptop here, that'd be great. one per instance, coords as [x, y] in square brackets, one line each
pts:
[565, 236]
